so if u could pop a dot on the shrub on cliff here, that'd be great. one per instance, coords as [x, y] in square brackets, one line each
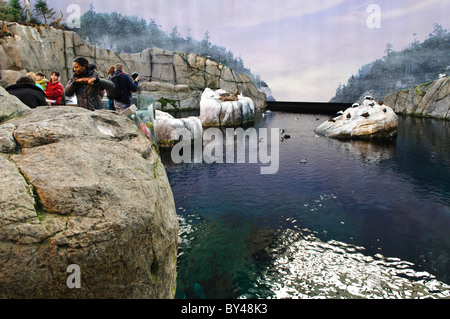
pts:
[416, 64]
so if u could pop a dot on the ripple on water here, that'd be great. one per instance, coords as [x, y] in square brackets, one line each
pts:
[308, 268]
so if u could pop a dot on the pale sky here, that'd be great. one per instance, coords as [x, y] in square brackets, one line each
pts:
[303, 49]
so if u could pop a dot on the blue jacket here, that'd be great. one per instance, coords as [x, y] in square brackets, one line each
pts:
[128, 85]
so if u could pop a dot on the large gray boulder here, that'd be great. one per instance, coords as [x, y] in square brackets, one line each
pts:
[171, 130]
[86, 189]
[10, 106]
[430, 99]
[217, 112]
[367, 121]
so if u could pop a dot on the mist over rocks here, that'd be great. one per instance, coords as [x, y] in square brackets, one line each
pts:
[88, 189]
[45, 49]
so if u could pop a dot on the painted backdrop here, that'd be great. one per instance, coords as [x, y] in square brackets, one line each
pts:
[302, 49]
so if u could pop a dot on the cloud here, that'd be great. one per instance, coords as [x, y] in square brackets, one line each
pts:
[256, 12]
[413, 8]
[302, 49]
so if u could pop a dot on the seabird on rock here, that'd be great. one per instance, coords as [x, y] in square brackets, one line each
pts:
[282, 131]
[365, 114]
[340, 112]
[349, 116]
[229, 97]
[356, 105]
[286, 136]
[368, 100]
[384, 110]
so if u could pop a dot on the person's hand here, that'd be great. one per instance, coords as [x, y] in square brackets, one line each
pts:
[137, 78]
[82, 80]
[89, 81]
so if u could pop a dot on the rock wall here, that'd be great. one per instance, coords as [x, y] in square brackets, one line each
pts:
[87, 189]
[427, 100]
[47, 49]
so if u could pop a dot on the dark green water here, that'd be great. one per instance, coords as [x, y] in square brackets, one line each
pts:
[357, 220]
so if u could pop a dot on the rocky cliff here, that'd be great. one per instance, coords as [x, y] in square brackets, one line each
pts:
[427, 100]
[177, 79]
[83, 189]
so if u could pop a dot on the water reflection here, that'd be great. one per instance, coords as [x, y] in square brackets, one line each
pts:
[369, 151]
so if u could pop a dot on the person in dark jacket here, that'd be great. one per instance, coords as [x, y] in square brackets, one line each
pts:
[27, 91]
[127, 86]
[87, 85]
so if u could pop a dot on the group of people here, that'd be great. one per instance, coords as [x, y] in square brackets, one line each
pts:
[35, 90]
[86, 85]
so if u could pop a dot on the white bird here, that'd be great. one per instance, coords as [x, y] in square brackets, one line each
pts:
[303, 161]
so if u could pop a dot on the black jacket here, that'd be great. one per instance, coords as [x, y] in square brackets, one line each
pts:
[88, 96]
[127, 85]
[29, 94]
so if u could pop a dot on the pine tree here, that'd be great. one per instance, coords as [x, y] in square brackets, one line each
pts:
[42, 9]
[3, 8]
[14, 11]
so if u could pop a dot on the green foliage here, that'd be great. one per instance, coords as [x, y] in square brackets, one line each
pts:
[3, 8]
[416, 64]
[14, 11]
[131, 34]
[43, 10]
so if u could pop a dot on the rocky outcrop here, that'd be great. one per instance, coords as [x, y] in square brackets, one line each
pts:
[215, 111]
[427, 100]
[170, 130]
[10, 105]
[172, 78]
[367, 121]
[87, 189]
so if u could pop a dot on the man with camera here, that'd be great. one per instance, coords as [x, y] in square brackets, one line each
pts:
[125, 85]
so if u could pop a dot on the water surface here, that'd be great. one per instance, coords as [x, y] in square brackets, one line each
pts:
[355, 220]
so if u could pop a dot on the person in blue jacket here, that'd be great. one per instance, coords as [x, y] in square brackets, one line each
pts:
[127, 85]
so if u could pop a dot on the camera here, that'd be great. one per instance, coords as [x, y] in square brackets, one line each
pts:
[134, 75]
